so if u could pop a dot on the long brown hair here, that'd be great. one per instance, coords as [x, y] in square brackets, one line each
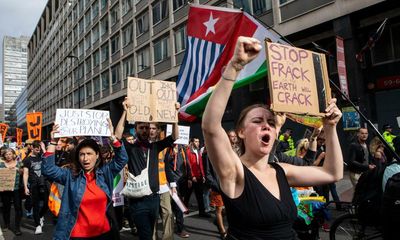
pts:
[240, 122]
[76, 166]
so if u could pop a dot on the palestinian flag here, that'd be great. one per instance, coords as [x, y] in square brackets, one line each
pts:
[211, 37]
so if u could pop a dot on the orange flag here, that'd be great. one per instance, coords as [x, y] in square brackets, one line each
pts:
[34, 125]
[19, 136]
[3, 130]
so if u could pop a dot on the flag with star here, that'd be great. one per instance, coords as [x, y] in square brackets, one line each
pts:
[211, 37]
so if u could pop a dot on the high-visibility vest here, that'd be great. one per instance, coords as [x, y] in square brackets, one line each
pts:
[54, 201]
[389, 138]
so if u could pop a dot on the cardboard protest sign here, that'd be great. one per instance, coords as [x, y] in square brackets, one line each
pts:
[298, 80]
[82, 122]
[7, 179]
[34, 125]
[19, 136]
[184, 134]
[3, 131]
[1, 140]
[153, 100]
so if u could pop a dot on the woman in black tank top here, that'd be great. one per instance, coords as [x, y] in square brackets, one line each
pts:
[257, 194]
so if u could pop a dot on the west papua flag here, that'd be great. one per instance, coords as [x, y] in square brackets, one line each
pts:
[212, 33]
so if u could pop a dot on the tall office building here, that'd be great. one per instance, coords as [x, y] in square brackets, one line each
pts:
[14, 76]
[82, 51]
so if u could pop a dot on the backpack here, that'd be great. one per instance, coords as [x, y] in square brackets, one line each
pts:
[391, 207]
[368, 196]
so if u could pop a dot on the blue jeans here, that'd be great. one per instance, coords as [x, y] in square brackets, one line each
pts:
[144, 213]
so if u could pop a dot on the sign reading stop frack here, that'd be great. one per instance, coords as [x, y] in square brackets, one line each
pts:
[151, 101]
[298, 80]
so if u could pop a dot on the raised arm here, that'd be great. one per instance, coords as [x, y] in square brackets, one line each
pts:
[332, 170]
[225, 161]
[119, 130]
[121, 157]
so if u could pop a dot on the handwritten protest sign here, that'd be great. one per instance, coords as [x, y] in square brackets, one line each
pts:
[82, 122]
[3, 131]
[19, 136]
[298, 80]
[184, 134]
[153, 100]
[7, 179]
[34, 125]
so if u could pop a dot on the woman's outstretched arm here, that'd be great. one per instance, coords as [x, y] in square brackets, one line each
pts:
[225, 161]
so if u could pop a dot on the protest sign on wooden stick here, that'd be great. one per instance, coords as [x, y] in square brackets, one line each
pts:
[82, 122]
[152, 101]
[298, 80]
[34, 125]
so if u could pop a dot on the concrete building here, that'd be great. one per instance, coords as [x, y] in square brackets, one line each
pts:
[82, 51]
[14, 76]
[22, 108]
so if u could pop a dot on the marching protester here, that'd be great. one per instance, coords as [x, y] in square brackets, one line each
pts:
[86, 207]
[8, 197]
[251, 188]
[359, 156]
[176, 161]
[36, 185]
[143, 155]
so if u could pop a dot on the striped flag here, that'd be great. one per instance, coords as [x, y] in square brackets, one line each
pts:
[212, 34]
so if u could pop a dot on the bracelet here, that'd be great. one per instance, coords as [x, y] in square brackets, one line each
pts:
[53, 143]
[228, 79]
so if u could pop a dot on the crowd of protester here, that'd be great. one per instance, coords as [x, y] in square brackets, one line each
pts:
[229, 171]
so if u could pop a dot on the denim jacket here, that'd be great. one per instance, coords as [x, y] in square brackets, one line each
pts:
[74, 188]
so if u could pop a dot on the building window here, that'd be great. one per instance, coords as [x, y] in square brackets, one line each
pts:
[88, 19]
[104, 4]
[96, 85]
[281, 2]
[81, 26]
[88, 89]
[127, 34]
[96, 58]
[160, 11]
[254, 6]
[128, 68]
[104, 52]
[95, 34]
[104, 25]
[143, 59]
[114, 13]
[126, 6]
[95, 9]
[81, 7]
[88, 65]
[178, 3]
[387, 48]
[161, 51]
[115, 74]
[180, 39]
[114, 44]
[142, 24]
[88, 42]
[80, 49]
[105, 80]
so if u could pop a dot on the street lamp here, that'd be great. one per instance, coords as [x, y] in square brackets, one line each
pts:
[79, 82]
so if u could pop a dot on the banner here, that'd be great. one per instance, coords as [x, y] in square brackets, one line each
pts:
[298, 80]
[7, 179]
[184, 134]
[3, 131]
[153, 100]
[351, 119]
[34, 125]
[341, 66]
[82, 122]
[19, 136]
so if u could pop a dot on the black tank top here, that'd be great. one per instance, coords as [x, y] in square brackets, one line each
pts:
[257, 214]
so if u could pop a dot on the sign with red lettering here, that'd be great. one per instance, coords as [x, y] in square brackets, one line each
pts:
[298, 80]
[341, 66]
[151, 101]
[389, 82]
